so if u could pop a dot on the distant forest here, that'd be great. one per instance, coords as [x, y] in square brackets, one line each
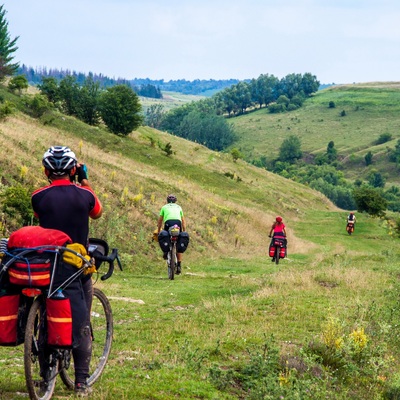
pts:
[143, 87]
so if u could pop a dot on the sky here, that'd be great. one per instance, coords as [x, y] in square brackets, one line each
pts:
[338, 41]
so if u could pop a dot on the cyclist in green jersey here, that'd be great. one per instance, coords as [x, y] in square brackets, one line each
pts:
[172, 214]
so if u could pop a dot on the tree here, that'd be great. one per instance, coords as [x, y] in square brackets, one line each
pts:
[154, 116]
[7, 48]
[331, 152]
[88, 98]
[68, 91]
[49, 88]
[120, 109]
[209, 129]
[376, 179]
[370, 200]
[19, 83]
[368, 159]
[290, 149]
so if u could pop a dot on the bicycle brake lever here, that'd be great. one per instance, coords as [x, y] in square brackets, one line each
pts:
[119, 263]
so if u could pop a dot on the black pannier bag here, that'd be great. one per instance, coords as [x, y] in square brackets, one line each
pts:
[164, 241]
[183, 242]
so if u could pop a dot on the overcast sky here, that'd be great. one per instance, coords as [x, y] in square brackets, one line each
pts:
[339, 41]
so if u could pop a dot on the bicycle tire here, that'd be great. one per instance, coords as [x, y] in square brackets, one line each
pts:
[39, 359]
[277, 250]
[171, 263]
[102, 327]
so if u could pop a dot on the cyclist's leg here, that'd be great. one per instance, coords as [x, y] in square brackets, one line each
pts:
[79, 293]
[167, 225]
[83, 351]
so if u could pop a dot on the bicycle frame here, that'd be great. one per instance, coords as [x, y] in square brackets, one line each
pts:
[49, 361]
[172, 257]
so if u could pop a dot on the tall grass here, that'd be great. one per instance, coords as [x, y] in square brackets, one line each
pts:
[233, 325]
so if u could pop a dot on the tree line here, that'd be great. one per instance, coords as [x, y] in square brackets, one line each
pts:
[36, 76]
[205, 121]
[117, 106]
[140, 85]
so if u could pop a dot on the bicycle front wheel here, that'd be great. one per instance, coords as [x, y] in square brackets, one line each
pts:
[40, 361]
[102, 329]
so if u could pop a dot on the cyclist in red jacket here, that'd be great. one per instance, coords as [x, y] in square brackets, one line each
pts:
[278, 229]
[66, 206]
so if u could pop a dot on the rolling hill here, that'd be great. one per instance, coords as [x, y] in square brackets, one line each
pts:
[370, 109]
[233, 325]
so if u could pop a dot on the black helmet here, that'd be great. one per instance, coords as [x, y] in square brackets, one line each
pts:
[171, 198]
[59, 160]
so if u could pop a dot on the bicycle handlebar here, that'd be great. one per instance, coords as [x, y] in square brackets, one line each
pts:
[109, 259]
[97, 255]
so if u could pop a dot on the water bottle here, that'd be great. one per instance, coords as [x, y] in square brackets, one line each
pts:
[58, 294]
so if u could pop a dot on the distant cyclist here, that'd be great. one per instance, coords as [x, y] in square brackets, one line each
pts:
[278, 230]
[172, 214]
[351, 221]
[66, 206]
[351, 218]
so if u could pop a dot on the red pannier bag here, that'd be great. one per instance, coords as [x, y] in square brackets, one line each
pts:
[271, 251]
[59, 322]
[9, 305]
[34, 268]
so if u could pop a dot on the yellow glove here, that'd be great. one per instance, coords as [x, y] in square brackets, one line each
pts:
[73, 259]
[90, 270]
[155, 235]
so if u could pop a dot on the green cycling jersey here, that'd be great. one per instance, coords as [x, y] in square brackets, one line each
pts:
[171, 211]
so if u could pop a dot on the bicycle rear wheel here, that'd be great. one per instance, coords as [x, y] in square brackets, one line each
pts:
[172, 262]
[40, 361]
[102, 334]
[277, 250]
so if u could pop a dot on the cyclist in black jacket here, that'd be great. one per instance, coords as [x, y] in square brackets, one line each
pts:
[67, 206]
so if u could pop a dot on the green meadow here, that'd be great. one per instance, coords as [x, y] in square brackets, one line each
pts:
[323, 324]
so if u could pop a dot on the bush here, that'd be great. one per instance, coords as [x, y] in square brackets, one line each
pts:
[16, 204]
[383, 138]
[276, 108]
[6, 109]
[36, 106]
[370, 200]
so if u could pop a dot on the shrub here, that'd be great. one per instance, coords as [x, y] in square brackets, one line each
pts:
[368, 159]
[6, 109]
[383, 138]
[36, 106]
[370, 200]
[16, 204]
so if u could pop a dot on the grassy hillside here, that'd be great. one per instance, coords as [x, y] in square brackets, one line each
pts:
[371, 110]
[169, 101]
[233, 325]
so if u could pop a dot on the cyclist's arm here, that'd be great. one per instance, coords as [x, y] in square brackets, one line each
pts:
[97, 209]
[183, 224]
[159, 223]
